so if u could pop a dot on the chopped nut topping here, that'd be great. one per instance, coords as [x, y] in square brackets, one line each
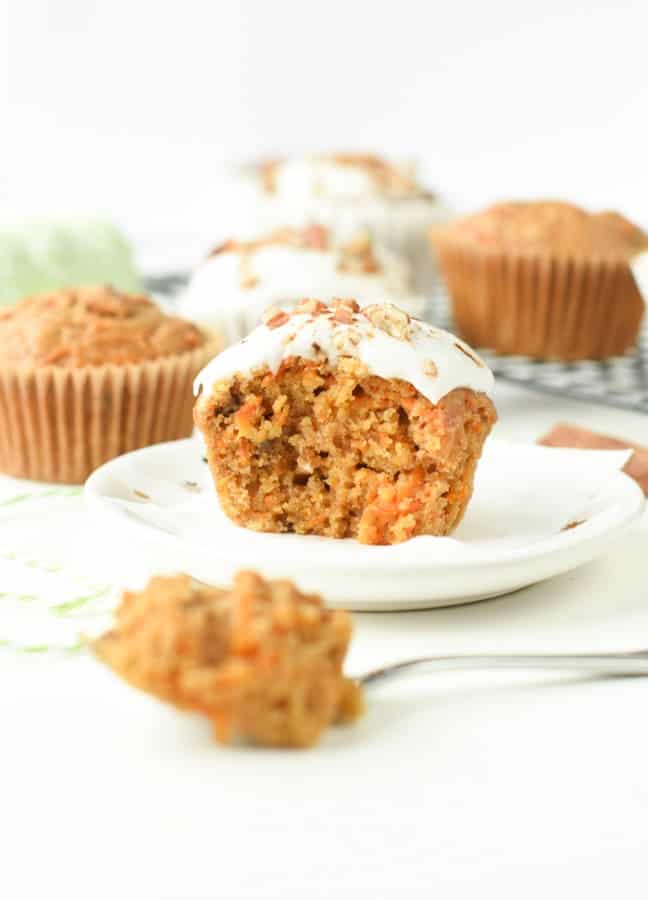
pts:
[387, 177]
[430, 368]
[345, 341]
[311, 307]
[359, 244]
[573, 524]
[315, 237]
[347, 303]
[357, 256]
[226, 247]
[249, 281]
[340, 342]
[384, 175]
[247, 278]
[268, 173]
[390, 319]
[312, 237]
[278, 318]
[467, 353]
[343, 314]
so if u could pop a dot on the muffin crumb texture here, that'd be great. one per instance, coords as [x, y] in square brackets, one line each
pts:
[261, 660]
[91, 326]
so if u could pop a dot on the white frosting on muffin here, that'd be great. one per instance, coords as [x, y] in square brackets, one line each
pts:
[344, 177]
[344, 192]
[233, 287]
[390, 343]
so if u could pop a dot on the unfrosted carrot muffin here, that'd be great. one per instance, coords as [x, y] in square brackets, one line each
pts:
[89, 373]
[261, 660]
[240, 279]
[544, 279]
[345, 422]
[346, 192]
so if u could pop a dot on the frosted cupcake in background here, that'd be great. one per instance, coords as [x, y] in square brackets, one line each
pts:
[239, 280]
[347, 192]
[47, 256]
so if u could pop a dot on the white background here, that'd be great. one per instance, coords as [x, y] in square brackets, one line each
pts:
[127, 108]
[479, 786]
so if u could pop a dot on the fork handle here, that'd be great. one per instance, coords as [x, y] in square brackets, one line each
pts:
[603, 663]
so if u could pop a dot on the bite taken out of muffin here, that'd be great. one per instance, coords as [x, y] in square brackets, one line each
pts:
[87, 374]
[342, 421]
[544, 279]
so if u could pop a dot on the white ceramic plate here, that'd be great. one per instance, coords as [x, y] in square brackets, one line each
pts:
[515, 532]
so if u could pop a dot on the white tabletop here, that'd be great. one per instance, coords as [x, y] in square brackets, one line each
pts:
[462, 785]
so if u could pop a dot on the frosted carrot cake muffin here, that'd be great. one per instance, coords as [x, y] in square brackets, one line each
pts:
[261, 660]
[231, 289]
[345, 422]
[346, 192]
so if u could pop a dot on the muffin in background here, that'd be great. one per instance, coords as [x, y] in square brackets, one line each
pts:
[239, 280]
[346, 192]
[89, 373]
[41, 257]
[344, 421]
[543, 279]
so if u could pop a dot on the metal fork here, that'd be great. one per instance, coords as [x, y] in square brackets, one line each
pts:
[633, 664]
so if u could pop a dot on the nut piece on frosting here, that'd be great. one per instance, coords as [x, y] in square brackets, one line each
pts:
[371, 171]
[261, 660]
[390, 319]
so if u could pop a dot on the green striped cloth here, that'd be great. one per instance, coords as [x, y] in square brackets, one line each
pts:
[58, 576]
